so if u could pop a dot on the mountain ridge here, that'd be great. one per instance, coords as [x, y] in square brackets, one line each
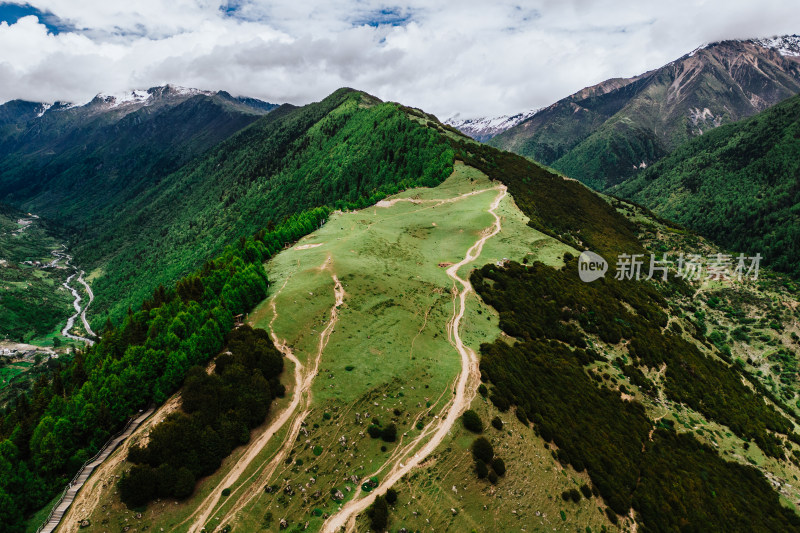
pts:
[604, 134]
[143, 135]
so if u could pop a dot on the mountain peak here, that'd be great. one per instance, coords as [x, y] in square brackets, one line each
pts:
[714, 84]
[143, 97]
[484, 128]
[786, 45]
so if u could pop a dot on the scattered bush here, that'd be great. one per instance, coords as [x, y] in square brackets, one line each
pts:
[499, 466]
[138, 486]
[378, 514]
[482, 450]
[389, 433]
[497, 423]
[391, 496]
[481, 469]
[472, 422]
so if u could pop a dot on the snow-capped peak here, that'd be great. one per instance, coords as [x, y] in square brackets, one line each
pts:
[786, 45]
[484, 128]
[145, 97]
[119, 99]
[188, 91]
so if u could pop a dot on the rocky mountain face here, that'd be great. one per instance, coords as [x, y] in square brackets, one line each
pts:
[604, 134]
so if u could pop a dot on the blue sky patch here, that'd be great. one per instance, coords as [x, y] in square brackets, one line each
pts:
[391, 16]
[11, 13]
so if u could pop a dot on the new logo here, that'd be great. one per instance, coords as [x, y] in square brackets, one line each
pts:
[591, 266]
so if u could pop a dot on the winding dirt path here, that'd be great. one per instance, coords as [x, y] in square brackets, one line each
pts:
[304, 378]
[464, 392]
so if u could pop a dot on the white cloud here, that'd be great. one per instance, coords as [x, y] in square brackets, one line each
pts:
[477, 58]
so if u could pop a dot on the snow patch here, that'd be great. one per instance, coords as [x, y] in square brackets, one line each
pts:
[693, 52]
[126, 98]
[786, 45]
[187, 91]
[45, 107]
[484, 128]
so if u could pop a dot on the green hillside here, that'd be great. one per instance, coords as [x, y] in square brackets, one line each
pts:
[32, 302]
[739, 185]
[343, 150]
[618, 404]
[350, 150]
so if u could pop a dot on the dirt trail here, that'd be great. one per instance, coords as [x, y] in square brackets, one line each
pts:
[307, 246]
[437, 201]
[304, 378]
[465, 388]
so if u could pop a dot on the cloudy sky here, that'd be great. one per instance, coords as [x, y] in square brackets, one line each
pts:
[476, 58]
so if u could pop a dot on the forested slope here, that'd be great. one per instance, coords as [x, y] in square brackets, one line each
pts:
[347, 148]
[589, 357]
[739, 185]
[75, 163]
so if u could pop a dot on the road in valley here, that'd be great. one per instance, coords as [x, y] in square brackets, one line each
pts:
[79, 311]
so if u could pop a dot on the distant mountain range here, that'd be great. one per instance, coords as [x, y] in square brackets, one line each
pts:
[606, 133]
[114, 144]
[483, 129]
